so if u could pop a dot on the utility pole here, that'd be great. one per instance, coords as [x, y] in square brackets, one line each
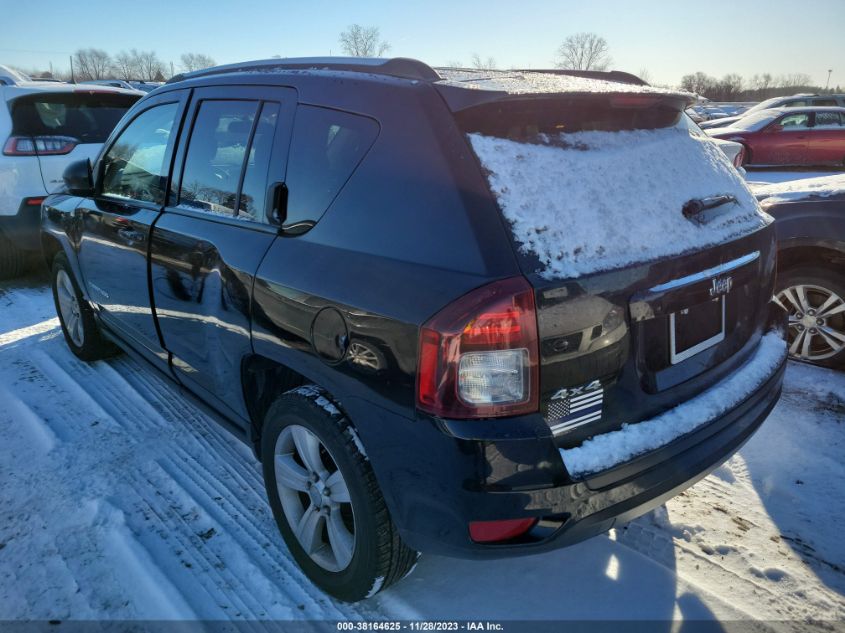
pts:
[171, 69]
[72, 80]
[827, 85]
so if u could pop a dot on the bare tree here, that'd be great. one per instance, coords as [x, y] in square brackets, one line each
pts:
[483, 64]
[91, 63]
[794, 80]
[699, 83]
[196, 61]
[126, 65]
[150, 66]
[454, 63]
[359, 41]
[584, 51]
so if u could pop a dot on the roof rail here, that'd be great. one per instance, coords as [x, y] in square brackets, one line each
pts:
[401, 67]
[607, 75]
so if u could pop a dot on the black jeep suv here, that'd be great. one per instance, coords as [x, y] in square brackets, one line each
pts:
[477, 314]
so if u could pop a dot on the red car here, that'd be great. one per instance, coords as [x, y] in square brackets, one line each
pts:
[790, 136]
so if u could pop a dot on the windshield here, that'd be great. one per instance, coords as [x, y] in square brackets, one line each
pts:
[764, 105]
[755, 121]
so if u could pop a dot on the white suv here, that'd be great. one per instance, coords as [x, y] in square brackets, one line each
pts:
[44, 127]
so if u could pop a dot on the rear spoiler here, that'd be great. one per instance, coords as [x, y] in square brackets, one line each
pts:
[459, 98]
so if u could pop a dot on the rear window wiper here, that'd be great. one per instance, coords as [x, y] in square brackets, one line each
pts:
[694, 209]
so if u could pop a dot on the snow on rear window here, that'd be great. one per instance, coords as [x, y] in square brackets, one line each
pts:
[591, 201]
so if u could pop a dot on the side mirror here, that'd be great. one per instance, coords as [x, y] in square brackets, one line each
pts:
[79, 179]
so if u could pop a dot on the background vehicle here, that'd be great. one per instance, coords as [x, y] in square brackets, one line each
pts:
[790, 136]
[114, 83]
[446, 407]
[145, 86]
[810, 223]
[795, 101]
[43, 128]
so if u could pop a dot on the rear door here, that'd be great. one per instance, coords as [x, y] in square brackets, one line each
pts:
[131, 182]
[827, 138]
[214, 232]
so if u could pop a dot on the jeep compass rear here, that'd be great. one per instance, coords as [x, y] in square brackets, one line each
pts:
[480, 314]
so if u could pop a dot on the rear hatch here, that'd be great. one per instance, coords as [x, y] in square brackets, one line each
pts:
[63, 127]
[652, 263]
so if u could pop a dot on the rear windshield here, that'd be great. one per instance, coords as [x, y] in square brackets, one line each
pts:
[604, 188]
[87, 117]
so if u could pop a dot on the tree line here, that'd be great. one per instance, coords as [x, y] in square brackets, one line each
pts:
[579, 51]
[133, 65]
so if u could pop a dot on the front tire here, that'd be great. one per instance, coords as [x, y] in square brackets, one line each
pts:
[80, 329]
[325, 498]
[814, 299]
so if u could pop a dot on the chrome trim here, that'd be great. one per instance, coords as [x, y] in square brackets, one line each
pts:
[707, 273]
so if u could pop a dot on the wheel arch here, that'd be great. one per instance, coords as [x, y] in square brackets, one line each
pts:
[797, 253]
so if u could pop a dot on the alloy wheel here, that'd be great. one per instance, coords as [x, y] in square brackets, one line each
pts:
[315, 498]
[816, 321]
[69, 306]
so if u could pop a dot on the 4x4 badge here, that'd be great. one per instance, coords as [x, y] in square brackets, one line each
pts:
[721, 286]
[576, 391]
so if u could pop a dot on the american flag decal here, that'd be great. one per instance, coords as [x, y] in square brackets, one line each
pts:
[573, 411]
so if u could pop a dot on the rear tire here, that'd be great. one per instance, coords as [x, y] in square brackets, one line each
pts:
[304, 421]
[810, 294]
[80, 329]
[13, 261]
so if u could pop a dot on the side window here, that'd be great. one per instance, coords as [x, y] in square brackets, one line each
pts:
[825, 102]
[326, 147]
[828, 120]
[215, 156]
[797, 121]
[254, 190]
[134, 166]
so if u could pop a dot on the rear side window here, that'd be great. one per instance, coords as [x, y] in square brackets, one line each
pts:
[134, 167]
[86, 117]
[326, 147]
[831, 120]
[215, 157]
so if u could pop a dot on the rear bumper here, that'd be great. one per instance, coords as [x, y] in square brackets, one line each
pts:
[436, 488]
[24, 228]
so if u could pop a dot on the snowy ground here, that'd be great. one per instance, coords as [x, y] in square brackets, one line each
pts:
[120, 500]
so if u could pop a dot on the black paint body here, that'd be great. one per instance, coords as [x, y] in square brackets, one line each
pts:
[237, 312]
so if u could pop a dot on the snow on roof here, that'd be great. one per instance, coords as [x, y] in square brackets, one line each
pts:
[519, 82]
[610, 449]
[591, 201]
[801, 189]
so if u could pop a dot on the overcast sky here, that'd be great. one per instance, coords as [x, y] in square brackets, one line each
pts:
[669, 39]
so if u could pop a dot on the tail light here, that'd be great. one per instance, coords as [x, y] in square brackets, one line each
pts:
[479, 355]
[39, 145]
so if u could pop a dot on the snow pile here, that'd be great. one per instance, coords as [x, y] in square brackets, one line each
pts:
[799, 189]
[517, 82]
[591, 201]
[604, 451]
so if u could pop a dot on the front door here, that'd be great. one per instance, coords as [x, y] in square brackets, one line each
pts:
[787, 141]
[212, 236]
[131, 181]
